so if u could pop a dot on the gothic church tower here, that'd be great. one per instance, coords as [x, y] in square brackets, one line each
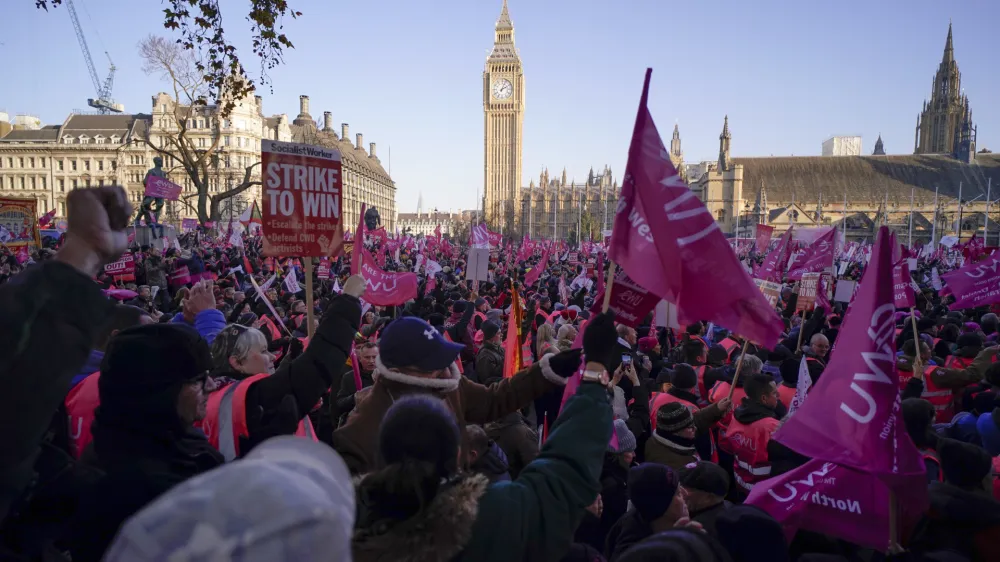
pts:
[939, 126]
[503, 109]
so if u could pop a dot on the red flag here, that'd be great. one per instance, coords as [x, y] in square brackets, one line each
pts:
[437, 232]
[512, 347]
[852, 416]
[763, 240]
[359, 244]
[669, 243]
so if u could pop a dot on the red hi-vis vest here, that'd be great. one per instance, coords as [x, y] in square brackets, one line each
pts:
[458, 362]
[81, 402]
[719, 391]
[702, 391]
[954, 362]
[729, 345]
[943, 399]
[226, 418]
[749, 446]
[664, 398]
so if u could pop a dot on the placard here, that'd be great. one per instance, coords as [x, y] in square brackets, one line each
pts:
[18, 222]
[808, 288]
[845, 290]
[770, 290]
[303, 200]
[629, 302]
[189, 225]
[902, 290]
[479, 265]
[162, 188]
[124, 268]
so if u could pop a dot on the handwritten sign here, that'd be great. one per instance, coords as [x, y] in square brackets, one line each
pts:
[162, 188]
[303, 200]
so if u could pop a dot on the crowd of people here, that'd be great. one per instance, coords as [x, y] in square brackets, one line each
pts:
[199, 416]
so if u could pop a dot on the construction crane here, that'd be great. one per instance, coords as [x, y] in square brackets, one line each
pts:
[103, 103]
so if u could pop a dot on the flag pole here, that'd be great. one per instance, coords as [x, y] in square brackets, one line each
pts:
[958, 225]
[918, 371]
[607, 285]
[310, 305]
[934, 225]
[739, 366]
[909, 238]
[986, 227]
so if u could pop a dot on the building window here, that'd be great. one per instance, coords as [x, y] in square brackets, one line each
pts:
[20, 162]
[98, 139]
[87, 183]
[86, 165]
[62, 185]
[44, 183]
[75, 184]
[72, 165]
[10, 162]
[32, 183]
[42, 162]
[202, 143]
[31, 162]
[227, 140]
[62, 208]
[100, 183]
[84, 139]
[67, 139]
[59, 165]
[720, 215]
[114, 164]
[22, 183]
[100, 165]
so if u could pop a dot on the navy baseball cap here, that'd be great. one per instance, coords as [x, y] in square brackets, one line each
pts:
[410, 342]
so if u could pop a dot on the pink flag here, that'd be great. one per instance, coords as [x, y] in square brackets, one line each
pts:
[827, 498]
[669, 243]
[817, 257]
[536, 271]
[774, 264]
[764, 233]
[385, 288]
[902, 288]
[853, 415]
[495, 238]
[975, 283]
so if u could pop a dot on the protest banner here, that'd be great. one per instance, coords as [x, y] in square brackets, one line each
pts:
[770, 289]
[189, 225]
[763, 238]
[162, 188]
[303, 199]
[479, 264]
[18, 222]
[323, 269]
[975, 284]
[845, 290]
[385, 288]
[123, 269]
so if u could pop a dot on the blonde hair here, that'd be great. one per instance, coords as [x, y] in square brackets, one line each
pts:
[545, 338]
[235, 341]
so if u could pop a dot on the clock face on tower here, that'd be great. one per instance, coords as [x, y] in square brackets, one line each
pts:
[502, 89]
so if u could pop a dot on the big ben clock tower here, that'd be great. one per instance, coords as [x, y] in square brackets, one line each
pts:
[503, 109]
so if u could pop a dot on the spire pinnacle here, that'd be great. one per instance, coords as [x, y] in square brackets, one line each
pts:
[949, 50]
[725, 129]
[503, 22]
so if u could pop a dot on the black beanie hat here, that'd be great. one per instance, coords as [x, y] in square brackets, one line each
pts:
[677, 545]
[673, 417]
[490, 329]
[685, 377]
[717, 354]
[144, 368]
[422, 429]
[965, 465]
[651, 489]
[458, 307]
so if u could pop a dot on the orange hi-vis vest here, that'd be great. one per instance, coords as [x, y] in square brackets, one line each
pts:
[226, 418]
[954, 362]
[81, 401]
[749, 446]
[729, 345]
[786, 393]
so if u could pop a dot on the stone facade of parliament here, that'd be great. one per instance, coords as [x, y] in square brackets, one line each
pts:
[866, 191]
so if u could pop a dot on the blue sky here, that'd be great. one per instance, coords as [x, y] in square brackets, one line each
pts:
[408, 74]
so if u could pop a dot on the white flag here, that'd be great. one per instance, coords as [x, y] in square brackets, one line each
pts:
[935, 279]
[336, 286]
[291, 283]
[802, 388]
[432, 267]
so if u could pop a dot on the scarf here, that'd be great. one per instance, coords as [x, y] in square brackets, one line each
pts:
[680, 445]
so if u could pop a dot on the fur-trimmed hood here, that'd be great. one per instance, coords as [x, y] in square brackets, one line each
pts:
[443, 385]
[438, 534]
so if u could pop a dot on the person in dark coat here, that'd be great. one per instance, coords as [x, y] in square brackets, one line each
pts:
[963, 515]
[490, 359]
[344, 403]
[154, 386]
[483, 456]
[658, 504]
[517, 439]
[52, 314]
[706, 484]
[614, 476]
